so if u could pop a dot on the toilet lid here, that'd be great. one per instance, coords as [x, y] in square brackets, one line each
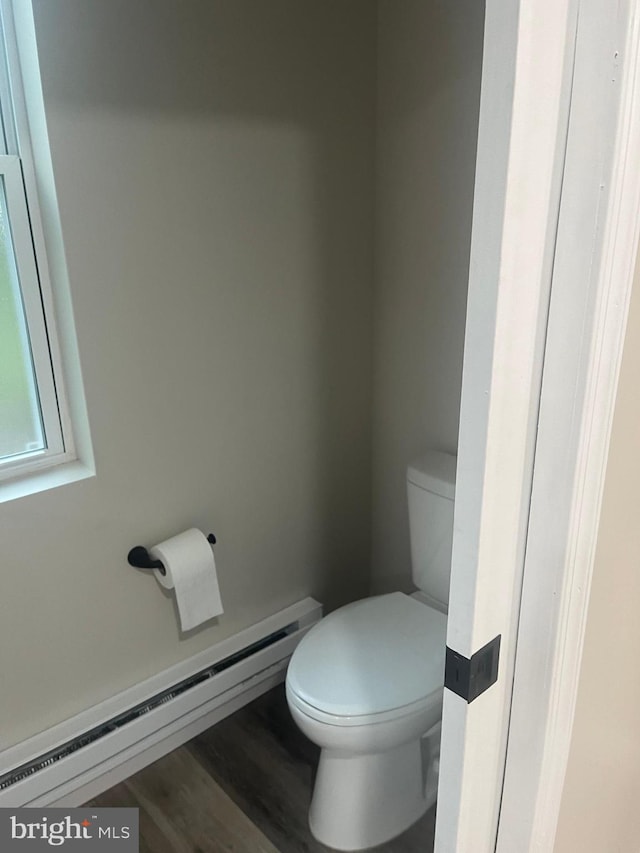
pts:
[371, 656]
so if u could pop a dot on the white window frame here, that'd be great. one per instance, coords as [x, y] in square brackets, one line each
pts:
[27, 174]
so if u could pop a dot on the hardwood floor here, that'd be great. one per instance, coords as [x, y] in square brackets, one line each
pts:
[244, 785]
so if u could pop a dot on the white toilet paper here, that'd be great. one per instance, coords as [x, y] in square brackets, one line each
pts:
[190, 571]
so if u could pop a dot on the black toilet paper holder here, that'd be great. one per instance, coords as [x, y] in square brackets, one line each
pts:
[140, 558]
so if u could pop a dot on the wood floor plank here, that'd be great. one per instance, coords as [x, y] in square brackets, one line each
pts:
[152, 839]
[265, 770]
[185, 810]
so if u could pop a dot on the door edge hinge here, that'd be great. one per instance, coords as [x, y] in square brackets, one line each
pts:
[470, 677]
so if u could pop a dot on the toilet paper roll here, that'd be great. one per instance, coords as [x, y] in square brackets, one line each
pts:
[191, 572]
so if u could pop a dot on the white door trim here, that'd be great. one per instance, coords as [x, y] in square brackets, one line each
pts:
[592, 281]
[554, 245]
[524, 107]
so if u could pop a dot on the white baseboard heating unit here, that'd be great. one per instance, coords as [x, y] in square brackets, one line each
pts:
[86, 754]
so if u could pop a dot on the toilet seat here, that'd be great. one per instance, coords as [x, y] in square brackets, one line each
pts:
[433, 702]
[376, 659]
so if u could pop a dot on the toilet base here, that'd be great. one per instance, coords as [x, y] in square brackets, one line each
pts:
[363, 800]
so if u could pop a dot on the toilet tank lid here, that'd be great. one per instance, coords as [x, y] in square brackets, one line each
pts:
[434, 472]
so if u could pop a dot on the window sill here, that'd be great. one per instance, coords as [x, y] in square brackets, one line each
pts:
[42, 481]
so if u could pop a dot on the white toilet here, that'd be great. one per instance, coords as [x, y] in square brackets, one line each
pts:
[366, 684]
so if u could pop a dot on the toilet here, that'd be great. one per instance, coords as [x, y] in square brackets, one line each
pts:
[365, 684]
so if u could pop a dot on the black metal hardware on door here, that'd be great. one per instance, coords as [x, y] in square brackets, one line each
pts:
[469, 677]
[140, 558]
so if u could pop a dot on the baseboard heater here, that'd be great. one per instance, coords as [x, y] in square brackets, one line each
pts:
[65, 749]
[175, 706]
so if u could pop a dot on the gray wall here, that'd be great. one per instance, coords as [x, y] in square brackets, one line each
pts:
[214, 163]
[218, 163]
[429, 65]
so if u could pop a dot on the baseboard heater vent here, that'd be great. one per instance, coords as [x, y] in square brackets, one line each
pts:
[17, 774]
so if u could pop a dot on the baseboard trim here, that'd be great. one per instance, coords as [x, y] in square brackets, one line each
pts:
[92, 769]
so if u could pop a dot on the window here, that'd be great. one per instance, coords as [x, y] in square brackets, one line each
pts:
[35, 422]
[29, 413]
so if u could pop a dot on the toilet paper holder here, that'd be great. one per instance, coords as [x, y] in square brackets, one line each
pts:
[139, 557]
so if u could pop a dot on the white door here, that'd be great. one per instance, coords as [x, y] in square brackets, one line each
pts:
[551, 90]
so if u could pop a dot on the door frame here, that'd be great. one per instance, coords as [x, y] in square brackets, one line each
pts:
[594, 267]
[554, 244]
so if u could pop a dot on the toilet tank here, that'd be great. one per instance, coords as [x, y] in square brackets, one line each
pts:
[431, 483]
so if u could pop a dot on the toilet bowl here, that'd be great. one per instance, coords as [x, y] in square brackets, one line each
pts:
[366, 683]
[366, 686]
